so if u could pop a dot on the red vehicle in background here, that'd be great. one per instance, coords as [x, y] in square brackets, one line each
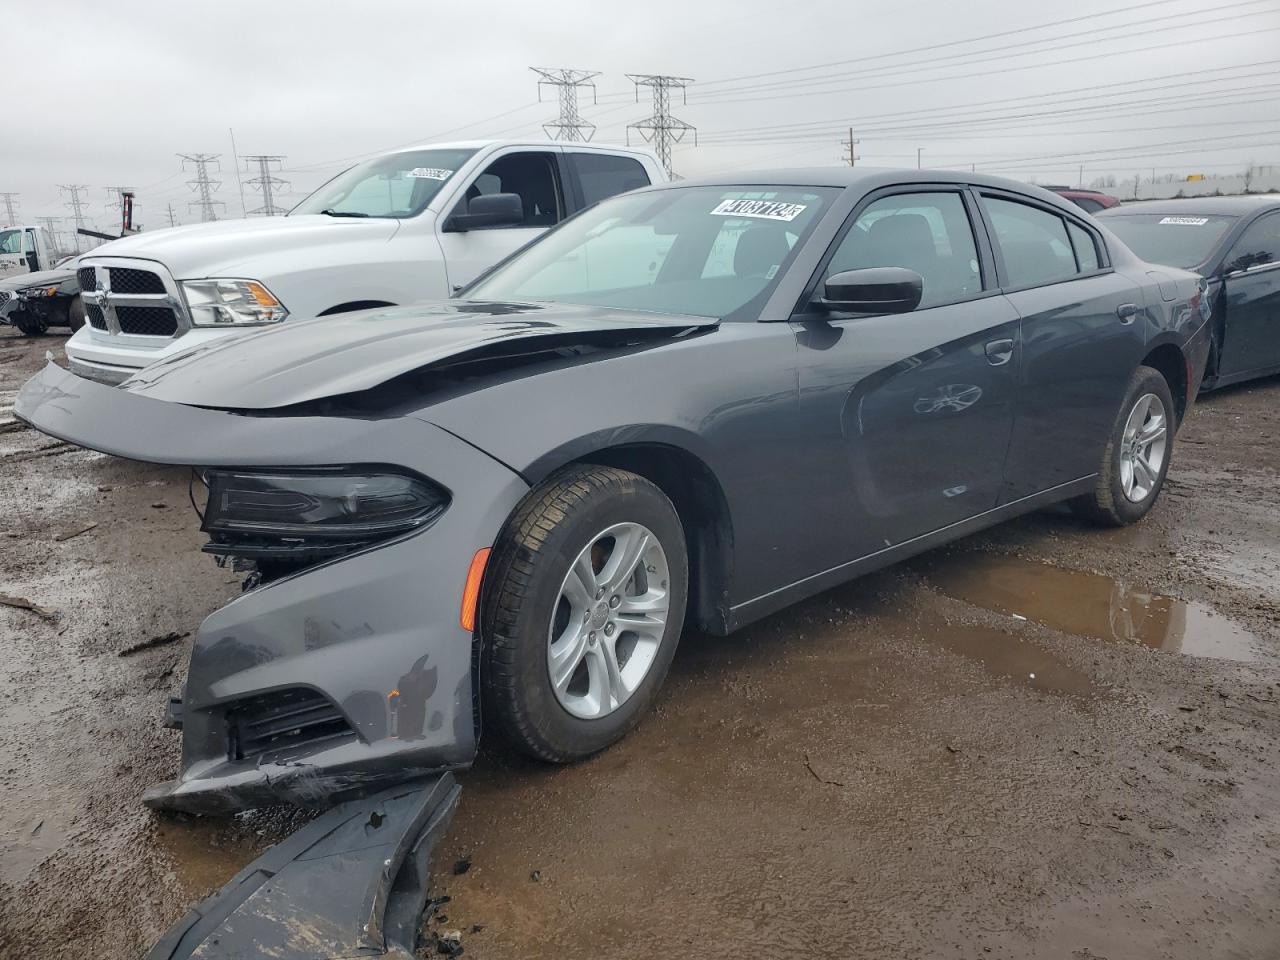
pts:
[1089, 200]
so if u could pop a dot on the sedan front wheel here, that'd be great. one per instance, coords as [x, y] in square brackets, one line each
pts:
[584, 605]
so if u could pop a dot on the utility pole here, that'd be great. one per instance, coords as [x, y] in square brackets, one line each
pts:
[10, 201]
[173, 220]
[919, 150]
[265, 184]
[1081, 180]
[202, 185]
[117, 203]
[661, 129]
[76, 204]
[852, 144]
[570, 126]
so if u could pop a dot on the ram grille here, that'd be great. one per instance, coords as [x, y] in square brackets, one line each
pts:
[147, 321]
[87, 277]
[129, 281]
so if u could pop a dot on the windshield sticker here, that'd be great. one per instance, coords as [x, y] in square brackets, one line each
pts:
[1186, 221]
[762, 209]
[430, 173]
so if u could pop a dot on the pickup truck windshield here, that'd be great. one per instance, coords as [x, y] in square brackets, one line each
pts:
[1184, 241]
[397, 185]
[703, 251]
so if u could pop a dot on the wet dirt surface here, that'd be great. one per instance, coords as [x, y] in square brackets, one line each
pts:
[1043, 741]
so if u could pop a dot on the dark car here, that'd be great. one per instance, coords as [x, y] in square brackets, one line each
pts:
[1234, 242]
[692, 404]
[1091, 201]
[34, 302]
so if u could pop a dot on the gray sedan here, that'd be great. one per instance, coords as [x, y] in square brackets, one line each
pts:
[690, 405]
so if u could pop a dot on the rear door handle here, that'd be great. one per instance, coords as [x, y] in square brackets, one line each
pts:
[999, 352]
[1126, 312]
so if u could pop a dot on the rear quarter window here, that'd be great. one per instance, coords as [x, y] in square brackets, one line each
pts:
[603, 176]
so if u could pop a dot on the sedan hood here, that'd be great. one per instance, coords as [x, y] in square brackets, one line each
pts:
[331, 356]
[226, 247]
[40, 278]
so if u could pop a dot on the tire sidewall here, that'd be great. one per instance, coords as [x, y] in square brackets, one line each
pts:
[558, 728]
[1146, 380]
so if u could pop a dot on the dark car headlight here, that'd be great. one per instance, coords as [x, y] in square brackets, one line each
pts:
[319, 504]
[35, 293]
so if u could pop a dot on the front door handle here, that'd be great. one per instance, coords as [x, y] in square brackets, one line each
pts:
[1126, 312]
[999, 352]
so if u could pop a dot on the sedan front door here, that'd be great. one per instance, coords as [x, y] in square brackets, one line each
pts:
[915, 409]
[1251, 337]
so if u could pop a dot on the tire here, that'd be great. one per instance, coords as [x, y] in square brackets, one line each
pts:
[1124, 493]
[31, 324]
[529, 600]
[75, 313]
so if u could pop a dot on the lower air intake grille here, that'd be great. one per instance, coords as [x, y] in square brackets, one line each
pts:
[284, 720]
[96, 319]
[148, 321]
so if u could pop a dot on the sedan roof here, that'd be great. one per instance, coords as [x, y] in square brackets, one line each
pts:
[838, 176]
[1205, 206]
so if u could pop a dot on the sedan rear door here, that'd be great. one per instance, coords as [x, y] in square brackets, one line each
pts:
[1251, 338]
[1081, 338]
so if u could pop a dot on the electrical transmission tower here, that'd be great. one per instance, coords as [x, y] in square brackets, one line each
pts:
[203, 185]
[116, 202]
[10, 201]
[570, 126]
[76, 205]
[51, 224]
[662, 129]
[265, 184]
[851, 145]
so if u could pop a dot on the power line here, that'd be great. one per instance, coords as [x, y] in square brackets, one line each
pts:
[265, 183]
[10, 201]
[203, 185]
[570, 126]
[661, 128]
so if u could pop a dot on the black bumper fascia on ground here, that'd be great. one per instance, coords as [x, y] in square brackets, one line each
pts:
[352, 883]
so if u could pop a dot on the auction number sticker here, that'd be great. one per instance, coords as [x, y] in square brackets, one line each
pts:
[761, 209]
[430, 173]
[1186, 221]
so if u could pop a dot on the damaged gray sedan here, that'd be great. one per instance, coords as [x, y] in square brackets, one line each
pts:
[690, 405]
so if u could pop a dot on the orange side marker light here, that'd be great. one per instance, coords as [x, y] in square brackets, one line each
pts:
[471, 592]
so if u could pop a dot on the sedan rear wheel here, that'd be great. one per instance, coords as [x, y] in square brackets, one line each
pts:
[1136, 459]
[583, 606]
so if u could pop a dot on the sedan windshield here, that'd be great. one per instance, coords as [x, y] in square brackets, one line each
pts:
[702, 251]
[397, 185]
[1186, 240]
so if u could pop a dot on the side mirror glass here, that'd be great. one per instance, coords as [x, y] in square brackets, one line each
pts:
[877, 290]
[489, 210]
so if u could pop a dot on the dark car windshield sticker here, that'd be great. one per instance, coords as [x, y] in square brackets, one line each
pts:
[1186, 221]
[762, 209]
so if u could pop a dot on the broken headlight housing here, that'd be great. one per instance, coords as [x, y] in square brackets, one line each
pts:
[37, 293]
[223, 303]
[309, 515]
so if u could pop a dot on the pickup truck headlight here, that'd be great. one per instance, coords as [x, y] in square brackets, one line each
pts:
[225, 303]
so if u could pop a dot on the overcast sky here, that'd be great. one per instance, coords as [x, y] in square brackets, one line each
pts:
[107, 93]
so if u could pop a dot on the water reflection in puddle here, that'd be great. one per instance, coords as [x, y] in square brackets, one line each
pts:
[1007, 655]
[1091, 605]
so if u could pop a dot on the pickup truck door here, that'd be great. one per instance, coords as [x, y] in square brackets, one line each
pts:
[537, 177]
[1251, 338]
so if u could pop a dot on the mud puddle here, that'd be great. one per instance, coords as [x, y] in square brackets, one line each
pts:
[1011, 657]
[1091, 605]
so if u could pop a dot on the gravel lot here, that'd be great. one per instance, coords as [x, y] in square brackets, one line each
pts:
[1045, 741]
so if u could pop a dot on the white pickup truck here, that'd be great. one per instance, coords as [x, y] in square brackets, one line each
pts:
[412, 225]
[26, 249]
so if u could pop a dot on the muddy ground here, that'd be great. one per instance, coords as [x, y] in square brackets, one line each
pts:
[1045, 741]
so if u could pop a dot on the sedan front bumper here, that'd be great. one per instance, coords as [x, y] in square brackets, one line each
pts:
[371, 644]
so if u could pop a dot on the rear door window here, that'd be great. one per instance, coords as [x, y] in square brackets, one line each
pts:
[1259, 244]
[1033, 242]
[603, 176]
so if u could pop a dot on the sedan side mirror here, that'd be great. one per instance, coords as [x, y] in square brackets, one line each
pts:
[488, 210]
[873, 290]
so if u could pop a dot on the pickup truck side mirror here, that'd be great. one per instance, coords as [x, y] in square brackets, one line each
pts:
[488, 210]
[876, 290]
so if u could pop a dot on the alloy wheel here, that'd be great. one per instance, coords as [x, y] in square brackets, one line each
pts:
[1143, 447]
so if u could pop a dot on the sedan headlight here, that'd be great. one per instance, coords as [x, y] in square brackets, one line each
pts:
[35, 293]
[224, 303]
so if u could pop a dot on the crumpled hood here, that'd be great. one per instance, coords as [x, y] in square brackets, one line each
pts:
[226, 247]
[345, 353]
[40, 278]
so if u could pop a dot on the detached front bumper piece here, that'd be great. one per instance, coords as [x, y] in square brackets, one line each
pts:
[345, 677]
[352, 883]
